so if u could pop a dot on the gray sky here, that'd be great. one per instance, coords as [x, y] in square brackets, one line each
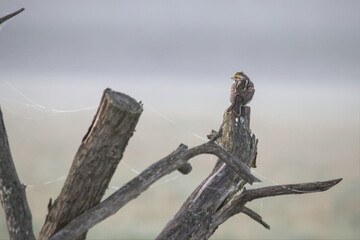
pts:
[283, 40]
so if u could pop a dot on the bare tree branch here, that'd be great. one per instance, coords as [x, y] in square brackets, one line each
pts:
[78, 206]
[216, 199]
[12, 193]
[7, 17]
[193, 220]
[299, 188]
[255, 216]
[237, 204]
[96, 160]
[143, 181]
[117, 200]
[237, 166]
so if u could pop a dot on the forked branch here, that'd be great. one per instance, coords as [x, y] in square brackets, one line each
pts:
[143, 181]
[237, 205]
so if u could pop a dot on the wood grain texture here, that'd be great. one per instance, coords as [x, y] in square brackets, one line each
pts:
[12, 193]
[95, 161]
[217, 198]
[238, 203]
[142, 182]
[195, 216]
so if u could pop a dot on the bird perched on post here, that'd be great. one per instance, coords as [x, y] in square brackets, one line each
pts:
[242, 91]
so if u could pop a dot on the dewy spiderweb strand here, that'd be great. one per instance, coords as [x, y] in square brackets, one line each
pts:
[42, 108]
[38, 107]
[35, 106]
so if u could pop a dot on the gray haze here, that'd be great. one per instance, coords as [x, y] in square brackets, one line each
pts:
[57, 57]
[286, 40]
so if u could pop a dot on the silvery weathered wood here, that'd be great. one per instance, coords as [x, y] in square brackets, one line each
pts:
[143, 181]
[12, 193]
[95, 161]
[194, 218]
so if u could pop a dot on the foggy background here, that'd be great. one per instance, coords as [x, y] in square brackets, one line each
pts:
[57, 57]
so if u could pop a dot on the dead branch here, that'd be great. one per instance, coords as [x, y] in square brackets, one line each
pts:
[143, 181]
[237, 204]
[299, 188]
[122, 196]
[237, 166]
[255, 216]
[216, 199]
[7, 17]
[194, 217]
[12, 193]
[69, 205]
[96, 160]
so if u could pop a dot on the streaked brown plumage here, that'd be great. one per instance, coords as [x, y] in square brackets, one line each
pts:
[242, 91]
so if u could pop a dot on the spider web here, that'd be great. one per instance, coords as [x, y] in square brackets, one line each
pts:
[49, 111]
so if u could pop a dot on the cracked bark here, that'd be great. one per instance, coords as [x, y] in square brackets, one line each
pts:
[238, 203]
[216, 199]
[78, 206]
[95, 161]
[143, 181]
[12, 193]
[194, 217]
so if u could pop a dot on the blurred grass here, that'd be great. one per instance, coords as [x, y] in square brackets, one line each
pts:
[302, 137]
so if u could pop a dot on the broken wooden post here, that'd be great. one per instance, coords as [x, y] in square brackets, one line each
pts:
[96, 160]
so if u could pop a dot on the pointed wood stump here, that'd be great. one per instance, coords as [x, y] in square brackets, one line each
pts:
[95, 161]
